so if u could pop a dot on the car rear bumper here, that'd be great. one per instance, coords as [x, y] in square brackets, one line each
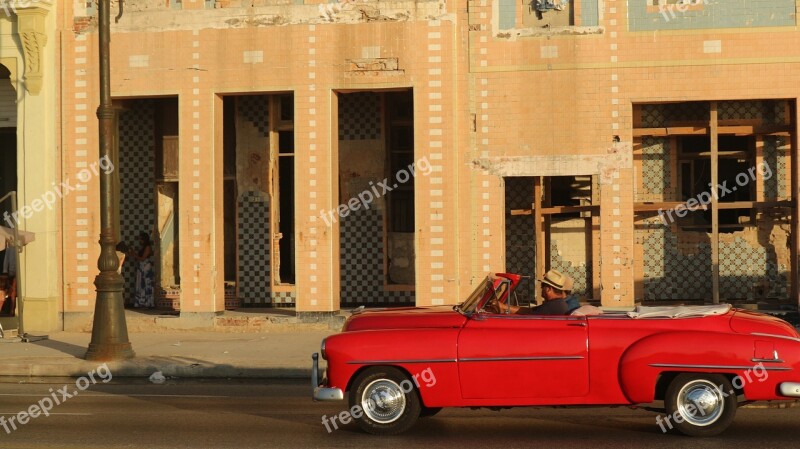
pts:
[791, 389]
[322, 393]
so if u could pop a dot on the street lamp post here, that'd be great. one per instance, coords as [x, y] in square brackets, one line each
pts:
[109, 331]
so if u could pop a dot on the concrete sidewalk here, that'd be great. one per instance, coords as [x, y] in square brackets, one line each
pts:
[277, 354]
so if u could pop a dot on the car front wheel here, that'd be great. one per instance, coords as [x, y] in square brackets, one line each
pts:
[700, 405]
[387, 399]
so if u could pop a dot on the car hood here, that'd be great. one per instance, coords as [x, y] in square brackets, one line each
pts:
[747, 322]
[405, 318]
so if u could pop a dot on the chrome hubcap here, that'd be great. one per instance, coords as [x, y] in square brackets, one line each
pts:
[383, 401]
[700, 402]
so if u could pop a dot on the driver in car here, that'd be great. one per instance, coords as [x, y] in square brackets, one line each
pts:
[557, 298]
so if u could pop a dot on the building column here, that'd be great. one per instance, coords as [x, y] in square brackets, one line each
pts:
[38, 165]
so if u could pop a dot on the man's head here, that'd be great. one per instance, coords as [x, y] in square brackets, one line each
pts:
[555, 285]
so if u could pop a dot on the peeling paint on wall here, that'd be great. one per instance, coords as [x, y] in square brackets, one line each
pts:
[157, 15]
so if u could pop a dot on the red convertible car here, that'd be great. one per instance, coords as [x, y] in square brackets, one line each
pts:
[397, 365]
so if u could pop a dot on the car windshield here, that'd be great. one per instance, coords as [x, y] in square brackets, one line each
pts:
[468, 307]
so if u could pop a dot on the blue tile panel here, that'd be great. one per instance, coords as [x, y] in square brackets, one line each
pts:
[714, 14]
[589, 13]
[656, 165]
[520, 246]
[508, 14]
[775, 162]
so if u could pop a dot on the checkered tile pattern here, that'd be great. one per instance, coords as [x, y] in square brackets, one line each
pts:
[362, 276]
[580, 274]
[359, 116]
[668, 274]
[283, 299]
[738, 257]
[137, 178]
[770, 111]
[253, 249]
[655, 165]
[776, 160]
[520, 245]
[658, 115]
[671, 275]
[255, 109]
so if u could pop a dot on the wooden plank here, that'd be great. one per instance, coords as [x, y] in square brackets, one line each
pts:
[641, 132]
[707, 154]
[795, 179]
[687, 131]
[537, 228]
[552, 210]
[754, 204]
[666, 205]
[750, 129]
[714, 205]
[694, 130]
[547, 202]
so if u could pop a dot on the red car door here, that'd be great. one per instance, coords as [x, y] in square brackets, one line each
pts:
[523, 356]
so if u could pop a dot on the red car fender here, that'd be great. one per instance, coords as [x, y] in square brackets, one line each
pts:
[675, 352]
[428, 356]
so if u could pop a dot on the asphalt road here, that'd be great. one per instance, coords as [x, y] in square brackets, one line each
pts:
[273, 414]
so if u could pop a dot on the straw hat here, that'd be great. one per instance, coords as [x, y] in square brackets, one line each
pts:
[557, 280]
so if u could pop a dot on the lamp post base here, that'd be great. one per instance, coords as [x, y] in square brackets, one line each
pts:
[109, 351]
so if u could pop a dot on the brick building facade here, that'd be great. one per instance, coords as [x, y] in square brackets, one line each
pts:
[268, 147]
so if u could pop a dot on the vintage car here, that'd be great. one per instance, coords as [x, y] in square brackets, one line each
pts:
[397, 365]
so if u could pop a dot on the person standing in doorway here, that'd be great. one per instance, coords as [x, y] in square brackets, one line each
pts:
[145, 274]
[9, 275]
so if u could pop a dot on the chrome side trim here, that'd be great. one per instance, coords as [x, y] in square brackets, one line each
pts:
[517, 359]
[759, 334]
[791, 389]
[387, 362]
[757, 360]
[534, 317]
[745, 367]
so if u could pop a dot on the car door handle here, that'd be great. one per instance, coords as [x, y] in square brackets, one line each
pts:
[577, 324]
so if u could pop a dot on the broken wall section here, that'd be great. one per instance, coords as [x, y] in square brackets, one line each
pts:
[674, 253]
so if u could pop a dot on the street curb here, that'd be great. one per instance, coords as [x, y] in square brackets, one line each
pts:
[145, 367]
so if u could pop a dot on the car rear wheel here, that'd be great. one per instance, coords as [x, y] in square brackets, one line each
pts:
[388, 401]
[700, 405]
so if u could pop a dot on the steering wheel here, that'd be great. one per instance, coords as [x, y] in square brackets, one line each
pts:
[492, 305]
